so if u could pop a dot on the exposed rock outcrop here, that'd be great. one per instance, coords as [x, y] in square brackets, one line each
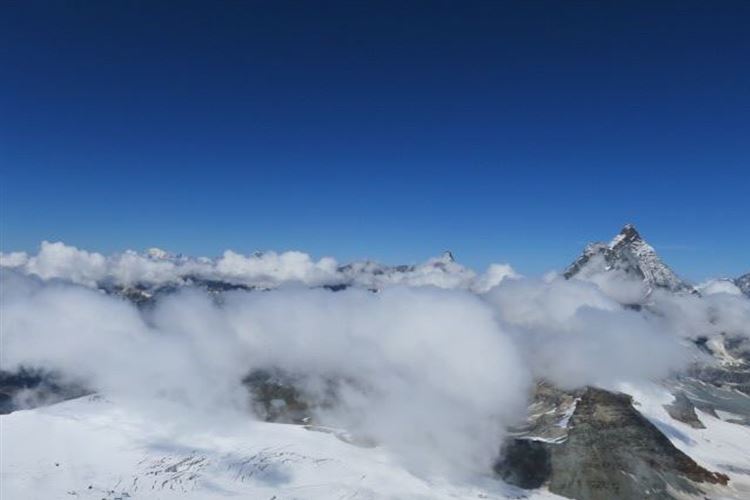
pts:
[682, 409]
[524, 463]
[610, 451]
[29, 388]
[277, 398]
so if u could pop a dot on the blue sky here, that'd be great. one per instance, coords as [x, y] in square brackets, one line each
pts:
[505, 131]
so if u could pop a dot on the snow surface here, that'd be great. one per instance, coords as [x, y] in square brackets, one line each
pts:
[93, 448]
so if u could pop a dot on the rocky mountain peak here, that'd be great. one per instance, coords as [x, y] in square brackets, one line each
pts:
[627, 253]
[627, 236]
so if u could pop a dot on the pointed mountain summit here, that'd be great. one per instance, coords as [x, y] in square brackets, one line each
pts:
[629, 253]
[627, 235]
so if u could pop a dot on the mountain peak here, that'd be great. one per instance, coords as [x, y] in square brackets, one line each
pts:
[628, 252]
[627, 235]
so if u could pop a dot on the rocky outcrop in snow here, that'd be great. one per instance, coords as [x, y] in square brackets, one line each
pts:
[609, 451]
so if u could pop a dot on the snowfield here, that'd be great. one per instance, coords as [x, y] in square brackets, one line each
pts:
[93, 448]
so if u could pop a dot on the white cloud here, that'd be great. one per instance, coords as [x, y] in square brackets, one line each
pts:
[435, 366]
[57, 260]
[713, 287]
[573, 334]
[262, 269]
[271, 269]
[427, 373]
[13, 259]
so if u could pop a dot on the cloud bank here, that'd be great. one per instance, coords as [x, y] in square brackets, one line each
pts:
[435, 366]
[156, 267]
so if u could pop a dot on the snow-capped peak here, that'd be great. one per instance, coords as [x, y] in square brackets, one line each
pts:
[627, 235]
[627, 253]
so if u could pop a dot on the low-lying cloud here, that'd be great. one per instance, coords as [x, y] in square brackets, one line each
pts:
[259, 270]
[435, 365]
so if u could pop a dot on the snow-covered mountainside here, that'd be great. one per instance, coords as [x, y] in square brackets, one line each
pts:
[94, 448]
[627, 253]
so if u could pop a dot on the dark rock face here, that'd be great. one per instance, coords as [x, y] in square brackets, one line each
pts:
[142, 295]
[145, 295]
[732, 368]
[548, 414]
[29, 388]
[722, 386]
[276, 398]
[524, 463]
[337, 287]
[603, 448]
[613, 452]
[682, 409]
[711, 397]
[215, 286]
[284, 397]
[733, 378]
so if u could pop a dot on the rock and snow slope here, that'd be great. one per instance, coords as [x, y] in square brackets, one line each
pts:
[94, 448]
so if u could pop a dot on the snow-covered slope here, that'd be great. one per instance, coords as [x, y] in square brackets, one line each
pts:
[629, 254]
[93, 448]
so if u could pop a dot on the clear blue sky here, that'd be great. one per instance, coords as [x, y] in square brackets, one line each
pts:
[505, 131]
